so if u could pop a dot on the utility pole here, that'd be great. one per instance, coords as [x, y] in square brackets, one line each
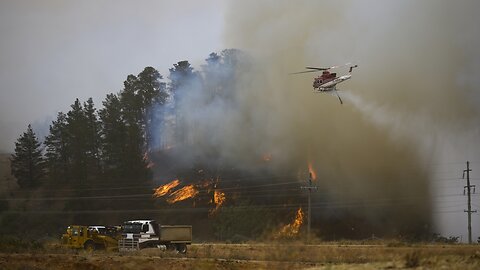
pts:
[310, 187]
[469, 212]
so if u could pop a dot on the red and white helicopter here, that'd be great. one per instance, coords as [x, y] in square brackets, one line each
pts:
[328, 81]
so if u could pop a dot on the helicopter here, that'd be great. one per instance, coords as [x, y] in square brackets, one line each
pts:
[328, 81]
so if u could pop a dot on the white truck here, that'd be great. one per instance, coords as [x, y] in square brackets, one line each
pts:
[139, 234]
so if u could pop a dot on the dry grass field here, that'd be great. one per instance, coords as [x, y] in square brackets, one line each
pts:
[257, 256]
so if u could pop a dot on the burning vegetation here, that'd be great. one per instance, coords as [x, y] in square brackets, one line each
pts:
[178, 195]
[191, 191]
[164, 189]
[182, 194]
[292, 229]
[218, 199]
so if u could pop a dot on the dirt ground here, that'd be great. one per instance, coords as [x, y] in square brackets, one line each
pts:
[256, 256]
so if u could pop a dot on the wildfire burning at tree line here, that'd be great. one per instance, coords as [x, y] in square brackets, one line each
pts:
[292, 229]
[189, 191]
[163, 190]
[184, 193]
[218, 199]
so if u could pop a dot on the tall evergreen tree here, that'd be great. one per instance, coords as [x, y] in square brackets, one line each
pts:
[181, 75]
[57, 152]
[132, 114]
[153, 92]
[77, 142]
[113, 136]
[92, 139]
[125, 119]
[182, 80]
[27, 162]
[213, 76]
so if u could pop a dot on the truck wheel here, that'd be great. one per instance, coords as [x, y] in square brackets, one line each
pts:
[181, 248]
[89, 246]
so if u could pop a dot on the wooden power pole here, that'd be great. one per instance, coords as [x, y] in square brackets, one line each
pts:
[469, 212]
[310, 187]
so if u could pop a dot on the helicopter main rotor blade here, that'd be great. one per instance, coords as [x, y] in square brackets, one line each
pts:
[307, 71]
[322, 68]
[347, 64]
[317, 68]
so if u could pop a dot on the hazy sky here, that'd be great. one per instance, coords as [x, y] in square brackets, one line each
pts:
[54, 51]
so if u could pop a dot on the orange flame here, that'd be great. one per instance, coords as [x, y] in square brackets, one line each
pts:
[267, 157]
[312, 171]
[218, 199]
[182, 194]
[163, 190]
[293, 228]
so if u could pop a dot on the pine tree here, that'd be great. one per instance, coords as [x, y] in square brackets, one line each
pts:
[140, 93]
[57, 152]
[113, 136]
[182, 80]
[92, 139]
[77, 142]
[27, 162]
[133, 116]
[153, 93]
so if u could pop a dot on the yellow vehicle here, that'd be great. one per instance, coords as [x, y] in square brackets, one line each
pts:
[91, 237]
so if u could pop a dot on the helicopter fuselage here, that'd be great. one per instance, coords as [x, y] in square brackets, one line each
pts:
[324, 83]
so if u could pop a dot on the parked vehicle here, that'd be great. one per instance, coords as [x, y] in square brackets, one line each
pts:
[139, 234]
[91, 237]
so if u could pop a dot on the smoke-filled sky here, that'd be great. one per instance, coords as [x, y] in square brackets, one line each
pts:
[410, 118]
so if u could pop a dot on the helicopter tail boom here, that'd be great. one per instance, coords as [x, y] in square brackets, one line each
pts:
[352, 67]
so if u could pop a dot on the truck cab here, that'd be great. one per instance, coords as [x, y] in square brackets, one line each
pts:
[144, 227]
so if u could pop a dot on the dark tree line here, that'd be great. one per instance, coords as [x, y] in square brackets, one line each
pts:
[86, 144]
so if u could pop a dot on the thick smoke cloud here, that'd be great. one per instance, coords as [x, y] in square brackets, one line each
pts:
[410, 107]
[412, 103]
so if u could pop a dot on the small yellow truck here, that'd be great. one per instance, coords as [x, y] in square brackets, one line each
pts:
[91, 237]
